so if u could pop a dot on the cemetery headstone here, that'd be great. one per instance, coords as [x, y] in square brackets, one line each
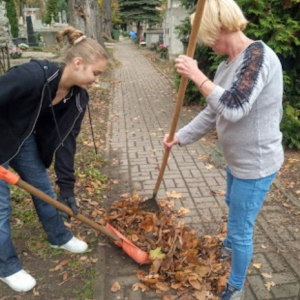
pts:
[30, 32]
[64, 16]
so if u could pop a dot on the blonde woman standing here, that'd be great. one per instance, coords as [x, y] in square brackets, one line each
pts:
[42, 105]
[244, 104]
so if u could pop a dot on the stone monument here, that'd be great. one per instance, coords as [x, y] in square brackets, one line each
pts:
[31, 38]
[64, 17]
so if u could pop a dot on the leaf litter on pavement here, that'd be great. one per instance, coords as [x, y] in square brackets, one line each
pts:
[184, 266]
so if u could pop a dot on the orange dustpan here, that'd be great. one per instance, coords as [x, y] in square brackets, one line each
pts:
[132, 250]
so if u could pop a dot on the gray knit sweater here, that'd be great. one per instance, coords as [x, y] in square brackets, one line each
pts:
[246, 109]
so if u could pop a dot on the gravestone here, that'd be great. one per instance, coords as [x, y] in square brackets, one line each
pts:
[64, 16]
[30, 33]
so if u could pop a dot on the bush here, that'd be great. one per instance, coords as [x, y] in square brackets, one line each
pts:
[290, 126]
[12, 16]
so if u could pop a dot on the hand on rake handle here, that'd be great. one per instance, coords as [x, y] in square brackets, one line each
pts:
[70, 202]
[169, 145]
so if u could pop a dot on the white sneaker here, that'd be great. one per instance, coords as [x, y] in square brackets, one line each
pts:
[20, 281]
[74, 245]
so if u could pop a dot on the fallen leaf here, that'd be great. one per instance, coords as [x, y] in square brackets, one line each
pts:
[200, 295]
[35, 292]
[156, 253]
[266, 275]
[257, 266]
[195, 284]
[174, 195]
[162, 286]
[60, 265]
[65, 276]
[143, 287]
[269, 285]
[183, 211]
[209, 167]
[115, 287]
[102, 244]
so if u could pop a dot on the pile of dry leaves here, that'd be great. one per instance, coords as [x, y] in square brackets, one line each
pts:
[183, 266]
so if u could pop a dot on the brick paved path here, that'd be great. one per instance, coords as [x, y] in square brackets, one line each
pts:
[141, 113]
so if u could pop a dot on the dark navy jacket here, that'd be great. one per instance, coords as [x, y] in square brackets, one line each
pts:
[26, 93]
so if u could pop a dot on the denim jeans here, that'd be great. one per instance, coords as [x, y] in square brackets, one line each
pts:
[29, 166]
[244, 198]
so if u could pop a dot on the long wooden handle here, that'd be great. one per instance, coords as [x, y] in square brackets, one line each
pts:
[41, 195]
[182, 87]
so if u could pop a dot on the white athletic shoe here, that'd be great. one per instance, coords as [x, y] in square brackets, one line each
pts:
[20, 281]
[74, 245]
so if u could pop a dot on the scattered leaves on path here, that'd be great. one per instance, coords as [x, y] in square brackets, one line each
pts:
[182, 263]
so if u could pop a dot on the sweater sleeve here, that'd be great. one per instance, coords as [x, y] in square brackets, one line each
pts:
[236, 102]
[204, 122]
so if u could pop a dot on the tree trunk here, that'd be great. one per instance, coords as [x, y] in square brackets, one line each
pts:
[106, 17]
[84, 15]
[138, 32]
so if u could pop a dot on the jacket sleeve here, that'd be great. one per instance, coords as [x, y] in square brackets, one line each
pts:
[16, 83]
[64, 161]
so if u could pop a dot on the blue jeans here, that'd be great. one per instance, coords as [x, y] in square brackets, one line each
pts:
[244, 198]
[29, 166]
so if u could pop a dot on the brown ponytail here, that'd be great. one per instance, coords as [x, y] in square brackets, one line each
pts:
[78, 45]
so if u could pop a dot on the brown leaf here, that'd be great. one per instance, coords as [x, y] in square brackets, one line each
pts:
[60, 265]
[162, 286]
[269, 285]
[35, 292]
[141, 286]
[222, 283]
[115, 287]
[174, 195]
[200, 295]
[65, 276]
[195, 284]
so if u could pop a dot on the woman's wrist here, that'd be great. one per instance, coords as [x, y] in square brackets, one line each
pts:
[202, 83]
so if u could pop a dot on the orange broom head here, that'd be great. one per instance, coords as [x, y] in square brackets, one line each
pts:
[132, 250]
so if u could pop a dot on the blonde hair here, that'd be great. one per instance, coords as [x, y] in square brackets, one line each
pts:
[78, 45]
[219, 14]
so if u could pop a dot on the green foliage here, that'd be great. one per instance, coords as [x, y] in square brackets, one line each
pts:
[277, 23]
[140, 10]
[13, 18]
[290, 126]
[51, 8]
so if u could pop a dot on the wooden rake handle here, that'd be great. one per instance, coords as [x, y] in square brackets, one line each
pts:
[14, 179]
[182, 87]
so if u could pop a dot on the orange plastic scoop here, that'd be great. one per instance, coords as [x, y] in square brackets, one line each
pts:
[132, 250]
